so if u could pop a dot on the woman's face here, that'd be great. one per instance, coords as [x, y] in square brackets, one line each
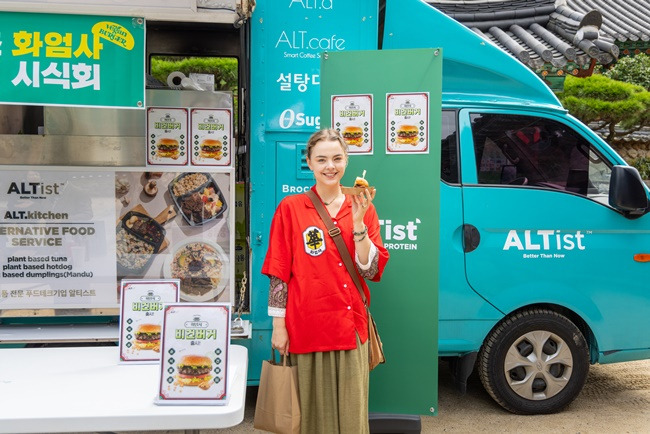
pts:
[328, 162]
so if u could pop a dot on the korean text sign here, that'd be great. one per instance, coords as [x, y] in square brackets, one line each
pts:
[77, 60]
[295, 34]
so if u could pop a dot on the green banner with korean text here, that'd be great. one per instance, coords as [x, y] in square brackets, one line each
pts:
[387, 106]
[72, 60]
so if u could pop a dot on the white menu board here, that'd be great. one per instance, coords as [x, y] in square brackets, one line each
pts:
[407, 123]
[141, 317]
[55, 229]
[166, 138]
[211, 137]
[194, 358]
[352, 117]
[69, 237]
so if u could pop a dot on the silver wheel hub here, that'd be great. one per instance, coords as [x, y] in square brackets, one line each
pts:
[538, 365]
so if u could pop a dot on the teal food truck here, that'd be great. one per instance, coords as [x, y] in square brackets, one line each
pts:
[518, 237]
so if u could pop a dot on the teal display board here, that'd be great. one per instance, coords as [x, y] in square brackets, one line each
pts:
[76, 60]
[403, 88]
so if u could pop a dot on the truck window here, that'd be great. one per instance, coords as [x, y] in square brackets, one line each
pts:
[449, 148]
[518, 150]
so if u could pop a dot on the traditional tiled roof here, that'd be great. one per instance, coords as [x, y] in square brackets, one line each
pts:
[537, 32]
[623, 20]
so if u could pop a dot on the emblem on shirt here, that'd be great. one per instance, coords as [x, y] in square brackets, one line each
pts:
[314, 240]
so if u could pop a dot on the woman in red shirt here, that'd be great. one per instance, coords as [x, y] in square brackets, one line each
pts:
[318, 314]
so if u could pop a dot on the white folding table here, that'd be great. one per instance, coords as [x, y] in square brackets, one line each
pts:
[85, 389]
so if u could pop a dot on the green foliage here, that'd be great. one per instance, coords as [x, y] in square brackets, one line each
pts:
[643, 166]
[607, 102]
[224, 69]
[635, 70]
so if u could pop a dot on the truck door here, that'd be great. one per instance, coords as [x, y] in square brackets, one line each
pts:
[536, 191]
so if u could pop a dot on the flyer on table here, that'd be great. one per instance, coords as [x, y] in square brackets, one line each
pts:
[141, 317]
[194, 358]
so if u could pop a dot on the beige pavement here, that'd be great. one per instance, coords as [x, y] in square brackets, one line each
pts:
[616, 399]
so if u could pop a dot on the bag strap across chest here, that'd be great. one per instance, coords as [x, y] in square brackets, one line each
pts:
[335, 233]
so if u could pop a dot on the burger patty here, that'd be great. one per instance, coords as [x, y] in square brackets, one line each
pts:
[407, 134]
[148, 337]
[194, 370]
[352, 135]
[211, 148]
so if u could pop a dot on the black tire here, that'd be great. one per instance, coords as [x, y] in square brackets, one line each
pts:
[534, 362]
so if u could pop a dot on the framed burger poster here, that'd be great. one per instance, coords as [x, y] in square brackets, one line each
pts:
[407, 123]
[194, 354]
[167, 136]
[352, 117]
[141, 313]
[211, 137]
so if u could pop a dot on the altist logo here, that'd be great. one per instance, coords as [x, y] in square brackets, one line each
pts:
[400, 236]
[399, 232]
[544, 240]
[34, 188]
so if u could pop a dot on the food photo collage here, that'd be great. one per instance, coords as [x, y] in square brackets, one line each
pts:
[172, 225]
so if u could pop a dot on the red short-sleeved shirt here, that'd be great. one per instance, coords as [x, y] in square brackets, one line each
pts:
[324, 308]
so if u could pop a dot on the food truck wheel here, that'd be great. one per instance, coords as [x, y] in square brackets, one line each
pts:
[534, 362]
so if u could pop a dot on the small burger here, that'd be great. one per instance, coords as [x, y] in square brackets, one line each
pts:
[211, 148]
[353, 136]
[407, 134]
[147, 336]
[361, 182]
[194, 370]
[168, 148]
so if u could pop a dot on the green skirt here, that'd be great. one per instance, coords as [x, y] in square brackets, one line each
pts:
[333, 389]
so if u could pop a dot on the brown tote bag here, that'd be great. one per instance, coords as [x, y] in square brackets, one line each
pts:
[278, 406]
[375, 347]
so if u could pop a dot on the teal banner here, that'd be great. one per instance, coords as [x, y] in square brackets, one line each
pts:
[397, 111]
[72, 60]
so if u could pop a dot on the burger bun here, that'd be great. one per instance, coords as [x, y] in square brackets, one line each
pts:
[168, 148]
[408, 135]
[211, 148]
[352, 135]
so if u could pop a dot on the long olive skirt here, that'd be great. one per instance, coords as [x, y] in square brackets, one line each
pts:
[333, 389]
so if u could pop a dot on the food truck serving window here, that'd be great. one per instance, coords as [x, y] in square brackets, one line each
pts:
[91, 196]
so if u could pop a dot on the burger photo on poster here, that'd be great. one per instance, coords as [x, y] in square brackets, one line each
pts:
[353, 135]
[407, 135]
[211, 148]
[168, 148]
[194, 370]
[147, 337]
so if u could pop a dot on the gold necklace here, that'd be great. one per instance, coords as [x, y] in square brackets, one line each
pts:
[328, 203]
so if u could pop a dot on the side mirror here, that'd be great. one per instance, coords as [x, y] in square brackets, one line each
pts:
[627, 192]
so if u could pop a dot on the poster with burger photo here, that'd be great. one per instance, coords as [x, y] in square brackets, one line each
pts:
[166, 138]
[211, 137]
[194, 355]
[352, 117]
[141, 311]
[407, 123]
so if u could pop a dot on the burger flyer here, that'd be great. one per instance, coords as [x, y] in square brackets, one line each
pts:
[407, 123]
[194, 357]
[166, 138]
[352, 117]
[141, 313]
[211, 137]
